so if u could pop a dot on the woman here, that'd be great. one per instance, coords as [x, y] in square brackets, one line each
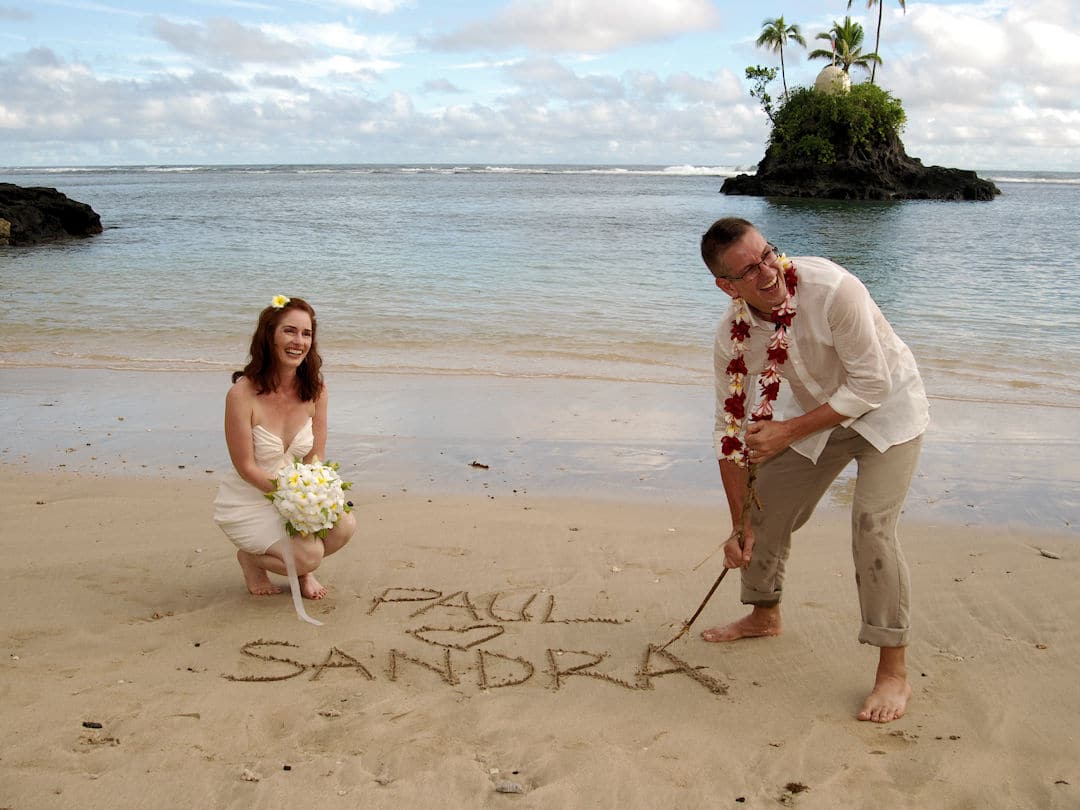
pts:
[274, 412]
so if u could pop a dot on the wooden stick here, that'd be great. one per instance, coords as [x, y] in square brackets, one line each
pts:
[749, 497]
[701, 607]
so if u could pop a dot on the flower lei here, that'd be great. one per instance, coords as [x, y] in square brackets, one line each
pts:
[733, 446]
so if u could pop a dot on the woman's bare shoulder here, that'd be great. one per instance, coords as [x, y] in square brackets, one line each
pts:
[241, 392]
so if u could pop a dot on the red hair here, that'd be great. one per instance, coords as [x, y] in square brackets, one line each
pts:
[261, 369]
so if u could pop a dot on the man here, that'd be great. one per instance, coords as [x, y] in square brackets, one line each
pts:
[808, 336]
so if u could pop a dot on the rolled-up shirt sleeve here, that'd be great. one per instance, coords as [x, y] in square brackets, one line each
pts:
[853, 319]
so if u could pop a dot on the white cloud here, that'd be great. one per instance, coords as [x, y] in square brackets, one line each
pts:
[440, 86]
[279, 81]
[723, 88]
[377, 6]
[551, 79]
[340, 66]
[1048, 48]
[97, 8]
[989, 46]
[224, 41]
[338, 37]
[576, 25]
[951, 37]
[557, 115]
[985, 84]
[15, 14]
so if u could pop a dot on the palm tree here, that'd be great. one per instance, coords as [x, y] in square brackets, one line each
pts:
[846, 50]
[877, 37]
[774, 33]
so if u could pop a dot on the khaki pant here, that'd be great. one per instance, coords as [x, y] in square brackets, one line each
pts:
[790, 486]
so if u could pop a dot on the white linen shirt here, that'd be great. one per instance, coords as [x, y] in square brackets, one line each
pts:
[842, 351]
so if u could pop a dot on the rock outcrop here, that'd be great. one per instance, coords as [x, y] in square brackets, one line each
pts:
[29, 216]
[883, 173]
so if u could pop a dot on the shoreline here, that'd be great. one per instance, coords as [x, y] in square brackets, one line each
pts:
[992, 378]
[989, 464]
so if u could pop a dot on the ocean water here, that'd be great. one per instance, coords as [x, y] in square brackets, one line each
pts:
[527, 271]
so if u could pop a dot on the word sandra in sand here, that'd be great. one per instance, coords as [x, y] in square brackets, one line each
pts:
[462, 647]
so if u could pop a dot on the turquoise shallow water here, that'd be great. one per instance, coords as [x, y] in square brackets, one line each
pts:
[588, 272]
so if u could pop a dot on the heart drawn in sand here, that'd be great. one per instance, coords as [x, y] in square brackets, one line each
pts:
[458, 638]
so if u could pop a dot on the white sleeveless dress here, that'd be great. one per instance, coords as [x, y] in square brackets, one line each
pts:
[243, 512]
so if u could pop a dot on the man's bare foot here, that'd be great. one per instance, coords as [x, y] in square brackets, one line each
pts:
[888, 700]
[258, 581]
[762, 621]
[310, 587]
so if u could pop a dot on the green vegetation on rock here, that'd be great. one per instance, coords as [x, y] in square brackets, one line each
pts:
[822, 128]
[841, 141]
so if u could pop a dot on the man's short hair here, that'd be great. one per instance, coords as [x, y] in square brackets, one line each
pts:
[720, 236]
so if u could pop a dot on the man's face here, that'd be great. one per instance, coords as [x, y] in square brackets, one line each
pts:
[754, 272]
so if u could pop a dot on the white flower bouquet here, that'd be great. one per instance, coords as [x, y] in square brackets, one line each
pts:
[311, 497]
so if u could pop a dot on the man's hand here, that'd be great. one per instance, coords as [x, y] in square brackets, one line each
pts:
[737, 554]
[771, 438]
[767, 439]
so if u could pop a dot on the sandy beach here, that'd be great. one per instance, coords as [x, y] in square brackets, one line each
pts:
[490, 635]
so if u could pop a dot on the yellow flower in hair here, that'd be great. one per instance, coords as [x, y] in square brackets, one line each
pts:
[278, 301]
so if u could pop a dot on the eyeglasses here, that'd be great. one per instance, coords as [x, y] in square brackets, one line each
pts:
[768, 257]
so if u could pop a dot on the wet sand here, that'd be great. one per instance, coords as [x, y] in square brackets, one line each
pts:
[983, 463]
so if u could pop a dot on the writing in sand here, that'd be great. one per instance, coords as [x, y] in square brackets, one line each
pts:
[466, 644]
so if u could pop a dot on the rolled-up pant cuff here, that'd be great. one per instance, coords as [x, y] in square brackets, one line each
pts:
[760, 598]
[884, 636]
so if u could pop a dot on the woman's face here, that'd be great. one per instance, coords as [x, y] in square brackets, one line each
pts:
[292, 338]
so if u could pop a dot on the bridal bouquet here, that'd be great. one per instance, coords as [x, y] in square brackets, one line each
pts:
[311, 497]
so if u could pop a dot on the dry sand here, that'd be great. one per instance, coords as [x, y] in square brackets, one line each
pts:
[125, 611]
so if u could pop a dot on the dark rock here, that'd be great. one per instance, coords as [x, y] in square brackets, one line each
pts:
[885, 173]
[29, 216]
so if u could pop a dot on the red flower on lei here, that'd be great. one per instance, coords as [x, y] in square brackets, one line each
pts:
[732, 445]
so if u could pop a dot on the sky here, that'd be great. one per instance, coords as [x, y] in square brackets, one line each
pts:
[991, 84]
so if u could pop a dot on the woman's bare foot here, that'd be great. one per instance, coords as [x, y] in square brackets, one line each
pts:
[888, 700]
[258, 581]
[762, 621]
[310, 587]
